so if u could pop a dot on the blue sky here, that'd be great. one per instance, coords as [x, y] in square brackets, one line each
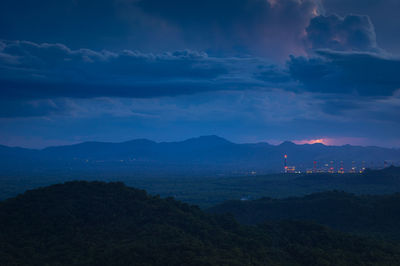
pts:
[246, 70]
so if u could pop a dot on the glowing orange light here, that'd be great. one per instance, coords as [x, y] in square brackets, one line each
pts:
[313, 141]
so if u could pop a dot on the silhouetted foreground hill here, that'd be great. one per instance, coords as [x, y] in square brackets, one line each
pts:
[377, 215]
[82, 223]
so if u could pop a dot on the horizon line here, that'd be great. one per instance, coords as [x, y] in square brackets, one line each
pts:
[299, 143]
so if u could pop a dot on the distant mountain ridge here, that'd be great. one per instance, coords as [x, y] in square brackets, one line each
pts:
[206, 152]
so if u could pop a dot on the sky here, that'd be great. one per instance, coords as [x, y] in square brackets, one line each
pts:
[308, 71]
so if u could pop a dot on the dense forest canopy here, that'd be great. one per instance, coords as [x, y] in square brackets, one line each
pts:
[96, 223]
[377, 215]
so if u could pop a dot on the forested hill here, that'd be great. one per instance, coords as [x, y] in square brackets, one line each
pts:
[377, 215]
[82, 223]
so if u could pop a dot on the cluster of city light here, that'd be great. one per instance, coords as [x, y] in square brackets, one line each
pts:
[327, 168]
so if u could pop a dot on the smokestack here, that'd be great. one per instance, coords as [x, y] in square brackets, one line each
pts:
[285, 164]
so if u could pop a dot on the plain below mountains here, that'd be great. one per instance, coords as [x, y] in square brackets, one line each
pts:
[95, 223]
[207, 154]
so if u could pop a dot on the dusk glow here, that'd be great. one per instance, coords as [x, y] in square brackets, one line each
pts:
[340, 141]
[313, 141]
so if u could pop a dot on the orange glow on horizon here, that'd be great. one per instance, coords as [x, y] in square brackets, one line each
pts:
[334, 141]
[313, 141]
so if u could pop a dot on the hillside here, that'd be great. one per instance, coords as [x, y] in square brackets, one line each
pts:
[82, 223]
[377, 215]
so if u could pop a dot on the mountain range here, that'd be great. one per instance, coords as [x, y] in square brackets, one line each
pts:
[206, 154]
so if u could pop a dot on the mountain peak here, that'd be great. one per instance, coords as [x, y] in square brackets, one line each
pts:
[319, 144]
[208, 139]
[287, 143]
[139, 141]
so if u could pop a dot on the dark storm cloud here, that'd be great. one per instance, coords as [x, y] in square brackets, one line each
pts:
[262, 27]
[80, 23]
[383, 13]
[225, 15]
[349, 33]
[57, 57]
[273, 75]
[344, 58]
[355, 73]
[30, 70]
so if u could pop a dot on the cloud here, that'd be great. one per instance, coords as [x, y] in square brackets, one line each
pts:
[273, 75]
[263, 27]
[258, 27]
[268, 28]
[349, 33]
[354, 73]
[31, 70]
[383, 14]
[237, 115]
[54, 57]
[343, 58]
[31, 108]
[339, 81]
